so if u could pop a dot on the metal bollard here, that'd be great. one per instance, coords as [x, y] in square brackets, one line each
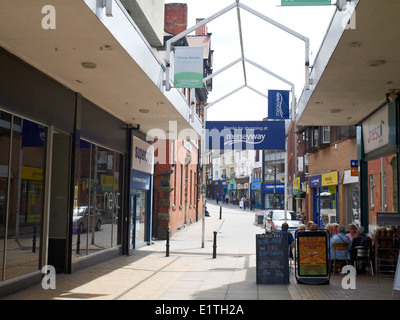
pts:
[78, 241]
[220, 212]
[215, 245]
[34, 240]
[167, 245]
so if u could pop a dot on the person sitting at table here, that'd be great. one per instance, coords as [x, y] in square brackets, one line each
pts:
[340, 256]
[360, 240]
[352, 231]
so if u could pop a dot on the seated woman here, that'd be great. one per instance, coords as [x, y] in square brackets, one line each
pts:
[340, 247]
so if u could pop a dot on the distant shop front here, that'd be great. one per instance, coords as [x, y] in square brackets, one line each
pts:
[274, 195]
[324, 192]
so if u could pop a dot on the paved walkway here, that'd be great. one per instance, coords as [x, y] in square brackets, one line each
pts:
[191, 273]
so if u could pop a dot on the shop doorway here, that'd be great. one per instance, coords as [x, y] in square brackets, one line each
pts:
[139, 217]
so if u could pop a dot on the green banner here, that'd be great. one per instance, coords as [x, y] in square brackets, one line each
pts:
[305, 2]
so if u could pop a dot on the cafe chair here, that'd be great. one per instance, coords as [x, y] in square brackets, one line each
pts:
[363, 256]
[339, 246]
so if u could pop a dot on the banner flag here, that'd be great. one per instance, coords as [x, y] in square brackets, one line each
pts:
[245, 135]
[188, 67]
[278, 104]
[305, 2]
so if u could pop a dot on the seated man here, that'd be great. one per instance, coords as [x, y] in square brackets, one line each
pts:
[291, 243]
[341, 255]
[363, 240]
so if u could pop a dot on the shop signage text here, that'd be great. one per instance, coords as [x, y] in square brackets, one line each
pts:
[376, 130]
[245, 135]
[143, 156]
[188, 67]
[278, 104]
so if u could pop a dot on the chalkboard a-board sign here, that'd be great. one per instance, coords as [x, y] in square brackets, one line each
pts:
[272, 258]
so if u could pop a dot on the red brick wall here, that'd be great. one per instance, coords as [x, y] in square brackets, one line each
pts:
[175, 20]
[173, 209]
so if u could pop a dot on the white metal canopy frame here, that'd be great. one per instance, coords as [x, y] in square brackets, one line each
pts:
[243, 59]
[238, 5]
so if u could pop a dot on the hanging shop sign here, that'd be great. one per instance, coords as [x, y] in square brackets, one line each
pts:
[188, 67]
[245, 135]
[278, 104]
[305, 2]
[354, 168]
[142, 156]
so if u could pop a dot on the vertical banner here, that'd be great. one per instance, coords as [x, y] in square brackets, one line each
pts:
[188, 67]
[278, 104]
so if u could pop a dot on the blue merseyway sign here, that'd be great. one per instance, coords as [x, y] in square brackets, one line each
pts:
[278, 104]
[245, 135]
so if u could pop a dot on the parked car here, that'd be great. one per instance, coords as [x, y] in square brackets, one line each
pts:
[80, 219]
[278, 218]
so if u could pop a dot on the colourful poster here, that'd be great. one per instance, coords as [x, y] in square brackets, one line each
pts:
[312, 256]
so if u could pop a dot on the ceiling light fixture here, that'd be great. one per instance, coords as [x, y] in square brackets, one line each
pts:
[376, 63]
[89, 65]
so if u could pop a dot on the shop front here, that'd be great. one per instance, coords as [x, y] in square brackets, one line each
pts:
[256, 194]
[232, 191]
[141, 180]
[274, 195]
[61, 177]
[379, 167]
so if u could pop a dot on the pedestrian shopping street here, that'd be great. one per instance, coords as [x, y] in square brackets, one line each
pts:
[191, 273]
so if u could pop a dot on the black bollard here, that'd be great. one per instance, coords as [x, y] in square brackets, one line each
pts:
[215, 245]
[220, 212]
[34, 239]
[167, 245]
[78, 241]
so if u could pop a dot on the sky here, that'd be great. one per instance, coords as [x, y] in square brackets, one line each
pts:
[263, 43]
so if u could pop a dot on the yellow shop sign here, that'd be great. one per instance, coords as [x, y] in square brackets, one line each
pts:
[30, 173]
[330, 179]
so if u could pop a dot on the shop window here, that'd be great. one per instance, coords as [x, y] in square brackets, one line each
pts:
[326, 134]
[97, 199]
[22, 164]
